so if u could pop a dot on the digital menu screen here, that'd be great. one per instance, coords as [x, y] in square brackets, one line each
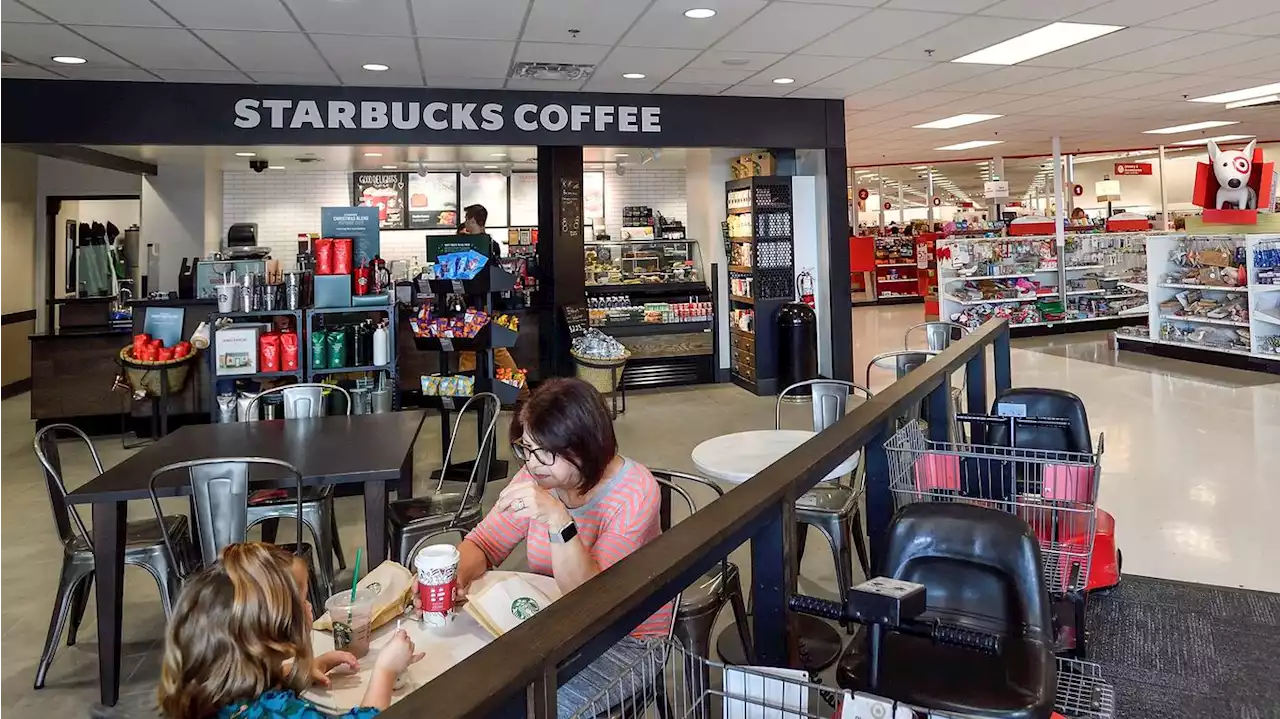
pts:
[433, 201]
[383, 190]
[524, 199]
[490, 190]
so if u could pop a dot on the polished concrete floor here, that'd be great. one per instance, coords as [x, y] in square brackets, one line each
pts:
[1188, 471]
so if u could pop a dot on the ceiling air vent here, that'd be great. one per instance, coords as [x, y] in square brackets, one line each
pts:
[551, 71]
[306, 159]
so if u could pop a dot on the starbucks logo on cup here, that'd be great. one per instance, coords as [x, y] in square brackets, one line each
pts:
[342, 634]
[524, 607]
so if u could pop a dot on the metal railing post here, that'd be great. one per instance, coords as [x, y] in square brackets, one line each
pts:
[1004, 376]
[939, 404]
[879, 500]
[975, 384]
[773, 577]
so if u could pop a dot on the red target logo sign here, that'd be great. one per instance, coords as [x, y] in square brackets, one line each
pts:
[888, 205]
[1241, 165]
[863, 193]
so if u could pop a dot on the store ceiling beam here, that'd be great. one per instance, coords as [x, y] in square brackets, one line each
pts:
[89, 156]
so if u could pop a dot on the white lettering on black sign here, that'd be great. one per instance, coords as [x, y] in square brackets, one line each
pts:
[470, 116]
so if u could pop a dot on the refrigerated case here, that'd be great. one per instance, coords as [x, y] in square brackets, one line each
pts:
[628, 263]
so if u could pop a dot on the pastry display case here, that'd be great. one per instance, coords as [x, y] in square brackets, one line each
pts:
[628, 263]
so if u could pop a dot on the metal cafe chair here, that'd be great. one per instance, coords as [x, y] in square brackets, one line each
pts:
[834, 508]
[409, 520]
[302, 400]
[144, 547]
[938, 335]
[220, 495]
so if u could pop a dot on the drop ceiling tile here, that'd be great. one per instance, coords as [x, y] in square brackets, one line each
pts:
[1266, 25]
[471, 20]
[690, 88]
[788, 27]
[346, 53]
[554, 85]
[1039, 9]
[664, 24]
[1156, 58]
[618, 84]
[957, 6]
[1242, 52]
[168, 48]
[36, 44]
[226, 76]
[1010, 78]
[1132, 12]
[111, 74]
[381, 79]
[940, 102]
[867, 74]
[877, 31]
[708, 76]
[755, 61]
[804, 69]
[848, 3]
[1209, 16]
[231, 14]
[654, 63]
[818, 91]
[1097, 51]
[940, 75]
[600, 22]
[139, 13]
[961, 38]
[466, 58]
[575, 53]
[870, 99]
[269, 52]
[468, 83]
[13, 11]
[1175, 87]
[367, 17]
[27, 72]
[318, 76]
[769, 90]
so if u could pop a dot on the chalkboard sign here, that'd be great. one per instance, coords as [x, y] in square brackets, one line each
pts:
[571, 207]
[577, 320]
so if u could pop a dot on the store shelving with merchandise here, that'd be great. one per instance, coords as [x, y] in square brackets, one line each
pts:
[1099, 286]
[759, 240]
[893, 269]
[1214, 299]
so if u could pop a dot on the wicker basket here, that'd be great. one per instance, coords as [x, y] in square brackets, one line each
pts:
[604, 375]
[144, 376]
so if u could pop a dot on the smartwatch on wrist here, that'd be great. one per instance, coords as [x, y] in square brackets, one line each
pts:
[564, 534]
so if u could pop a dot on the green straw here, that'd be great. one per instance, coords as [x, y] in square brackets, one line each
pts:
[355, 578]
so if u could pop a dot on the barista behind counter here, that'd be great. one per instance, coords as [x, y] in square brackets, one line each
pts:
[74, 367]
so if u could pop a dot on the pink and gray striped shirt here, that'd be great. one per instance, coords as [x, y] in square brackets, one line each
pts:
[620, 517]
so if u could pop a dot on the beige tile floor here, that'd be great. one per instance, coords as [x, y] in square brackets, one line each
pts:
[1190, 472]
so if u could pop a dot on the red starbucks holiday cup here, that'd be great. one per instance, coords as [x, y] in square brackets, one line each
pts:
[437, 568]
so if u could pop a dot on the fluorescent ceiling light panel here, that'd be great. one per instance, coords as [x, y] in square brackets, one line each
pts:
[68, 59]
[947, 123]
[969, 145]
[1237, 95]
[1038, 42]
[246, 154]
[1219, 138]
[375, 67]
[1190, 128]
[1253, 101]
[699, 13]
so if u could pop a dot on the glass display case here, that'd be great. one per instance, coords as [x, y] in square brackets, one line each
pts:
[643, 262]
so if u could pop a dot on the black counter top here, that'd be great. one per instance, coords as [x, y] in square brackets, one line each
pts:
[82, 333]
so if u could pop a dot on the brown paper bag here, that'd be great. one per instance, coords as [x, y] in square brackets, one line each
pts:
[394, 586]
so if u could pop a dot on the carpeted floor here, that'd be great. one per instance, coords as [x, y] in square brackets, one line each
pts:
[1177, 650]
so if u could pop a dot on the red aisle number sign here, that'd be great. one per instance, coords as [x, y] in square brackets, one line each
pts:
[888, 205]
[863, 193]
[1077, 190]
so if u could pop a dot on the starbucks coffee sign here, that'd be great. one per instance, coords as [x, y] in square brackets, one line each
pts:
[281, 114]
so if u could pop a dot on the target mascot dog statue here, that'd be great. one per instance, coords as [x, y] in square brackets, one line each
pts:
[1233, 168]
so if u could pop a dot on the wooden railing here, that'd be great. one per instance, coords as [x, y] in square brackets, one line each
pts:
[517, 674]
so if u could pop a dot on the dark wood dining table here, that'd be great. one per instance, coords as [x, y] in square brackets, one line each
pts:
[373, 451]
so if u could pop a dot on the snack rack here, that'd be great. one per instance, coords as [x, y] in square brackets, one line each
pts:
[760, 243]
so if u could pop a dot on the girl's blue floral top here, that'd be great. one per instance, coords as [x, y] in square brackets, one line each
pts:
[281, 704]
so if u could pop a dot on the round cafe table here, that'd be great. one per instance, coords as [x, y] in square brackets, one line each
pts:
[736, 458]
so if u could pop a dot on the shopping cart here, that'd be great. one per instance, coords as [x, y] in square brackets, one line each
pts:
[670, 682]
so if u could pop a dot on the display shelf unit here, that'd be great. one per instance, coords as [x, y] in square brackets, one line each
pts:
[1085, 288]
[753, 358]
[298, 375]
[322, 317]
[888, 270]
[1201, 338]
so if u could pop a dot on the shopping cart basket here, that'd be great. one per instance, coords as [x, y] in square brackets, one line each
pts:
[670, 682]
[1056, 493]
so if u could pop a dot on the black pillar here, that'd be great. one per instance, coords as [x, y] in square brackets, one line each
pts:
[840, 306]
[560, 247]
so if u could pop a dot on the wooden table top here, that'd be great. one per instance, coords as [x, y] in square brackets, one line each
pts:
[327, 450]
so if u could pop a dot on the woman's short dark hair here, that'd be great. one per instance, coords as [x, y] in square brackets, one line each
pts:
[569, 417]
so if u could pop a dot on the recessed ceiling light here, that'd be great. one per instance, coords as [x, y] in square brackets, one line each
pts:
[947, 123]
[490, 167]
[1042, 41]
[783, 80]
[275, 167]
[1235, 95]
[633, 75]
[920, 167]
[621, 154]
[246, 154]
[1188, 128]
[497, 154]
[375, 67]
[1263, 100]
[699, 13]
[373, 154]
[69, 59]
[388, 167]
[969, 145]
[1219, 138]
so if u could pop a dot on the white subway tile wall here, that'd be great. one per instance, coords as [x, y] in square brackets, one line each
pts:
[285, 204]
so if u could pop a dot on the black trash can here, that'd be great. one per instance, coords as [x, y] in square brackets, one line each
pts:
[797, 346]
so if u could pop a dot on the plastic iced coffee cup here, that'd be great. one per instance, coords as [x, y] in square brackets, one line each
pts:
[351, 620]
[437, 567]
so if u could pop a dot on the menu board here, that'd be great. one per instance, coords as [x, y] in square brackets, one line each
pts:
[524, 199]
[593, 195]
[577, 319]
[571, 209]
[488, 189]
[433, 201]
[383, 190]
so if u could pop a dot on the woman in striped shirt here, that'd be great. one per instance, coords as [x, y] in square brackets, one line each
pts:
[580, 506]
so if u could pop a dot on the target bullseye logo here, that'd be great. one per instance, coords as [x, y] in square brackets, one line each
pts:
[1242, 165]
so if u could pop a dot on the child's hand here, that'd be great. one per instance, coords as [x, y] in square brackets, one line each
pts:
[398, 654]
[327, 662]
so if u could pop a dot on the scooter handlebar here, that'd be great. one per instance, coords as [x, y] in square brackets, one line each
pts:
[949, 634]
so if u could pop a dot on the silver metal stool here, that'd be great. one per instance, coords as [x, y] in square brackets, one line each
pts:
[938, 335]
[144, 547]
